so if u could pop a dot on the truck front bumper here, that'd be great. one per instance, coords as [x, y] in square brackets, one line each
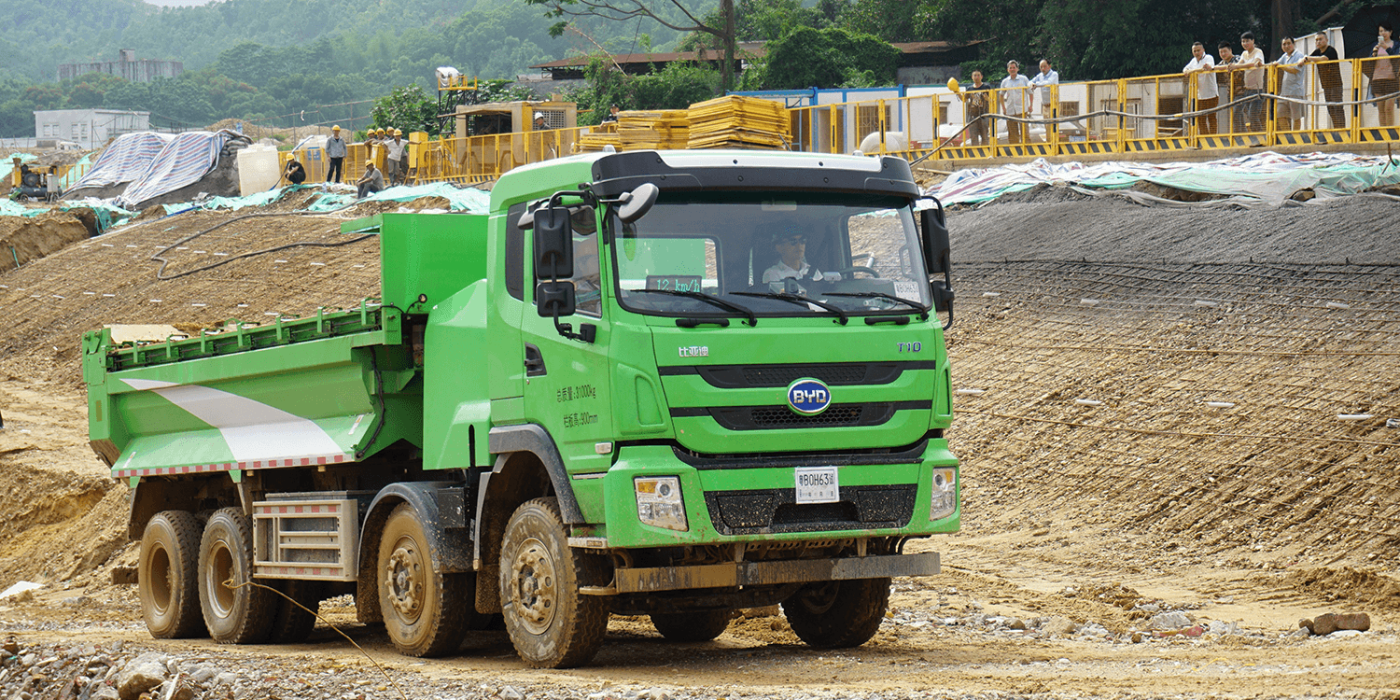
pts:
[760, 573]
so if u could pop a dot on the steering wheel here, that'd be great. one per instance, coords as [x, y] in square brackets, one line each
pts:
[849, 272]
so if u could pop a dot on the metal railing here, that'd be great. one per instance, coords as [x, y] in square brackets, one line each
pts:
[1330, 102]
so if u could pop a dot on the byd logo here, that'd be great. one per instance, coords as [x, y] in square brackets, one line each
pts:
[808, 397]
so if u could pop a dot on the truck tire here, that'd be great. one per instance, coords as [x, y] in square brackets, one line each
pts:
[549, 622]
[425, 611]
[241, 613]
[292, 624]
[697, 626]
[838, 614]
[168, 576]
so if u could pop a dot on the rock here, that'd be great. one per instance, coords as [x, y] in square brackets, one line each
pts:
[1218, 627]
[1169, 621]
[1138, 637]
[511, 693]
[1299, 633]
[143, 673]
[10, 646]
[202, 674]
[1331, 622]
[654, 694]
[225, 678]
[29, 660]
[1306, 624]
[766, 611]
[105, 692]
[1016, 623]
[1058, 626]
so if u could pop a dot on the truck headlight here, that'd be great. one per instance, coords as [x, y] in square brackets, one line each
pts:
[659, 502]
[945, 494]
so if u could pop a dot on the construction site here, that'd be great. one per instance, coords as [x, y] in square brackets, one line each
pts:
[1176, 414]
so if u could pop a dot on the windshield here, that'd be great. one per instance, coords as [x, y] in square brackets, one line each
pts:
[801, 255]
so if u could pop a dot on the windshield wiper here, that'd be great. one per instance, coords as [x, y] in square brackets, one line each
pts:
[796, 299]
[923, 310]
[747, 312]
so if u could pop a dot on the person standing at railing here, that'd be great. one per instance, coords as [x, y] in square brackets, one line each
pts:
[1015, 102]
[1329, 74]
[1043, 80]
[1252, 63]
[1230, 85]
[977, 98]
[1383, 78]
[393, 159]
[1207, 92]
[335, 153]
[1289, 115]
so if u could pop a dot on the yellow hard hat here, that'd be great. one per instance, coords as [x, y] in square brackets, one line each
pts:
[369, 163]
[397, 132]
[380, 131]
[335, 128]
[954, 85]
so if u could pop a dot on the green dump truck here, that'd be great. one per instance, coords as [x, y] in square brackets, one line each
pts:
[672, 384]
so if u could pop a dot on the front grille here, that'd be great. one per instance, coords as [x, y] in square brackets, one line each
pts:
[831, 373]
[836, 416]
[783, 375]
[766, 511]
[844, 415]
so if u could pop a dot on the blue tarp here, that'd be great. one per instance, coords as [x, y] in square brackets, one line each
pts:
[184, 160]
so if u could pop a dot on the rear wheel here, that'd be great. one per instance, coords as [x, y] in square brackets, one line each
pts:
[698, 626]
[425, 612]
[236, 611]
[293, 622]
[168, 575]
[549, 622]
[837, 614]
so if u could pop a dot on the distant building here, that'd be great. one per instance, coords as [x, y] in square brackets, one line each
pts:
[126, 66]
[86, 127]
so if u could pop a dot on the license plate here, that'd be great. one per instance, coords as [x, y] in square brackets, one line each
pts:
[817, 485]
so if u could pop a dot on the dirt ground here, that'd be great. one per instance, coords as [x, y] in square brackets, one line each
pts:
[1159, 410]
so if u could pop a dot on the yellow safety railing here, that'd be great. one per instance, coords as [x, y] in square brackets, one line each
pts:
[1331, 102]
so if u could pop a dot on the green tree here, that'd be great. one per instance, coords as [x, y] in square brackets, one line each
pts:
[683, 20]
[408, 108]
[891, 20]
[828, 58]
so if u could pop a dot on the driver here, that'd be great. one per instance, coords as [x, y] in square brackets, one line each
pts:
[791, 248]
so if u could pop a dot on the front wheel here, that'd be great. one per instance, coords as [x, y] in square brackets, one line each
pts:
[699, 626]
[838, 614]
[235, 610]
[549, 622]
[425, 612]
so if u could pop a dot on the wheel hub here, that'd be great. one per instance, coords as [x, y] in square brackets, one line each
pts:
[404, 577]
[535, 593]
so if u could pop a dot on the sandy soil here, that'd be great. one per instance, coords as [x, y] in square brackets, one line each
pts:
[1096, 348]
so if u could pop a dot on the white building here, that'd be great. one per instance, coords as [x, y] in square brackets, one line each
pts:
[86, 127]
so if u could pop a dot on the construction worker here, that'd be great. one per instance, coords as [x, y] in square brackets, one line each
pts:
[402, 147]
[335, 153]
[372, 182]
[394, 149]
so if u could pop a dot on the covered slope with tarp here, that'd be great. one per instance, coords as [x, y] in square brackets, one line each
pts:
[185, 160]
[1263, 179]
[122, 162]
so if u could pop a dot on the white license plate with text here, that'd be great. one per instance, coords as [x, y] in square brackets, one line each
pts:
[817, 485]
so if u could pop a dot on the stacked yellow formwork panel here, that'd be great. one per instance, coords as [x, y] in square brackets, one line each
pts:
[739, 122]
[599, 137]
[666, 129]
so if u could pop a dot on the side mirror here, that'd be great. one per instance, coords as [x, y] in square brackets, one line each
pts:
[554, 244]
[937, 252]
[938, 258]
[555, 299]
[635, 204]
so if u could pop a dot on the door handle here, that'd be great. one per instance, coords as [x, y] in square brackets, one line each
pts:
[534, 362]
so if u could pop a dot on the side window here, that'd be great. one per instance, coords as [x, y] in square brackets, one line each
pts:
[515, 253]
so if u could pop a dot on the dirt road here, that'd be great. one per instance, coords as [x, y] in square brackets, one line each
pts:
[1152, 417]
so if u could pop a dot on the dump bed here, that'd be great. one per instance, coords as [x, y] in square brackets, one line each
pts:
[291, 393]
